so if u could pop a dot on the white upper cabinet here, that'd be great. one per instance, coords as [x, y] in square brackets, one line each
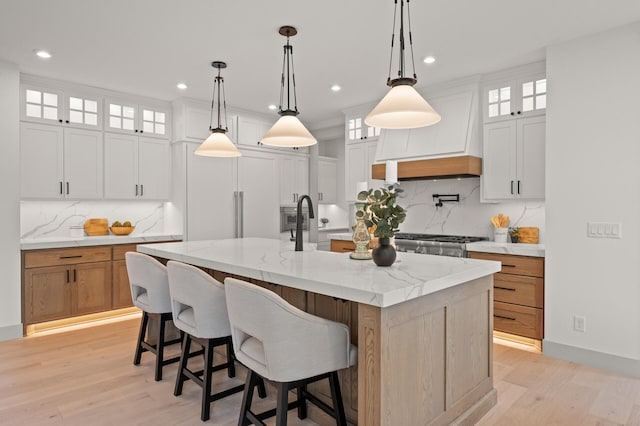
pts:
[128, 117]
[191, 122]
[294, 178]
[358, 161]
[250, 131]
[136, 167]
[357, 130]
[516, 97]
[62, 107]
[58, 162]
[513, 161]
[327, 180]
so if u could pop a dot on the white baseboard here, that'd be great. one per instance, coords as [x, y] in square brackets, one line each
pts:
[10, 332]
[604, 361]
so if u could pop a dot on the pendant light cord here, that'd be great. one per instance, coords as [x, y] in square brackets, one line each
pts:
[287, 68]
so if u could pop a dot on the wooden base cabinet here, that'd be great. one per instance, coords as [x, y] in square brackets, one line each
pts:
[66, 282]
[518, 294]
[121, 286]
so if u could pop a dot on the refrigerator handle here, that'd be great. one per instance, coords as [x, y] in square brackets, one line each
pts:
[241, 215]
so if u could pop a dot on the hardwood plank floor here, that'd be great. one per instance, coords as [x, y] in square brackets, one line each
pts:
[86, 377]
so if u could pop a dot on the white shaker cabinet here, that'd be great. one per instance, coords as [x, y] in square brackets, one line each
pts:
[259, 208]
[136, 167]
[359, 157]
[66, 108]
[59, 162]
[251, 130]
[518, 97]
[294, 178]
[327, 180]
[513, 161]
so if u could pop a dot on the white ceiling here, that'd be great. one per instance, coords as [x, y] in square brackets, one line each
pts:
[146, 46]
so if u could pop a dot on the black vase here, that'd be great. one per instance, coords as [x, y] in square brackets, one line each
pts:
[385, 253]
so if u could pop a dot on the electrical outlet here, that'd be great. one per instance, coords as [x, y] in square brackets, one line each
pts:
[604, 230]
[579, 323]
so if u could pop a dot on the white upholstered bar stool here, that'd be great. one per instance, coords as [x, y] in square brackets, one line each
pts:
[150, 293]
[288, 347]
[200, 311]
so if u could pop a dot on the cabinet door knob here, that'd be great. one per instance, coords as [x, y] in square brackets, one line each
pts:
[136, 130]
[66, 121]
[519, 112]
[60, 120]
[513, 113]
[141, 131]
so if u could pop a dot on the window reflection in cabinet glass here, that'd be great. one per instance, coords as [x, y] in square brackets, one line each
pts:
[41, 105]
[500, 101]
[355, 128]
[534, 95]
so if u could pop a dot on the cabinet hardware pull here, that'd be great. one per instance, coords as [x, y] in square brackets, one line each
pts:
[66, 121]
[61, 188]
[519, 112]
[67, 275]
[74, 276]
[518, 187]
[60, 120]
[502, 317]
[508, 266]
[141, 131]
[504, 288]
[136, 190]
[67, 188]
[513, 113]
[136, 130]
[141, 190]
[511, 187]
[340, 299]
[71, 257]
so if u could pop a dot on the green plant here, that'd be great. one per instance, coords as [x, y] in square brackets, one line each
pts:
[514, 232]
[382, 210]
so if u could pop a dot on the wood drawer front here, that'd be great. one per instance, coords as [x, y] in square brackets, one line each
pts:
[520, 290]
[66, 256]
[516, 265]
[342, 246]
[121, 249]
[520, 320]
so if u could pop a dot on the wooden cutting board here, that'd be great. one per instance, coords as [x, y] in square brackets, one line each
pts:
[96, 226]
[528, 235]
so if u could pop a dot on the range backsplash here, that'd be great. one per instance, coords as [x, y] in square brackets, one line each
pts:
[45, 219]
[467, 217]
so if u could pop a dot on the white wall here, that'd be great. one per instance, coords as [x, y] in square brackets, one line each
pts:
[593, 174]
[10, 321]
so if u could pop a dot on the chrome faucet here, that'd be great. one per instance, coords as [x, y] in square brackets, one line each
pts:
[299, 220]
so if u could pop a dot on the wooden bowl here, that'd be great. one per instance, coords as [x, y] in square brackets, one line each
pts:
[122, 230]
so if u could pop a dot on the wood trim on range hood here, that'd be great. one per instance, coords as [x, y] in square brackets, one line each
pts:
[450, 167]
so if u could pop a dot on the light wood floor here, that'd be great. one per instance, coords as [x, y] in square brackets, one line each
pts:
[86, 377]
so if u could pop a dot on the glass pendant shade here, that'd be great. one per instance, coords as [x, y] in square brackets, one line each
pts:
[402, 108]
[218, 144]
[288, 132]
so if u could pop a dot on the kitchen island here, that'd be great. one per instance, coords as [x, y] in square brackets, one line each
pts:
[423, 326]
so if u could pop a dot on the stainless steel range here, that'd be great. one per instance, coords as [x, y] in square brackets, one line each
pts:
[442, 245]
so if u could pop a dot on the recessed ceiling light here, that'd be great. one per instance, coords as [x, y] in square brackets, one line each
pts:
[429, 60]
[272, 107]
[43, 54]
[182, 86]
[336, 88]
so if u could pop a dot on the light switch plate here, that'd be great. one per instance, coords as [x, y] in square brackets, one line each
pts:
[604, 230]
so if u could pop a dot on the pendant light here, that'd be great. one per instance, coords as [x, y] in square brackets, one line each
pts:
[218, 143]
[402, 107]
[288, 130]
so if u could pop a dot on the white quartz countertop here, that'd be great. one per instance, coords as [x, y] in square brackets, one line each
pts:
[103, 240]
[345, 236]
[328, 273]
[520, 249]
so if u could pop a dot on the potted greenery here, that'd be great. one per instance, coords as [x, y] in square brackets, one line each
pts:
[383, 212]
[514, 233]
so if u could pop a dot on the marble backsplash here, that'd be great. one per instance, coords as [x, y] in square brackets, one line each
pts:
[46, 219]
[467, 217]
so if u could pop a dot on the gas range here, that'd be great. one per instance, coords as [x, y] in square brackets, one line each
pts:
[442, 245]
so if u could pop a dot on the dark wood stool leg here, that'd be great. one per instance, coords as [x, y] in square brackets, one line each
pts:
[283, 404]
[336, 395]
[247, 397]
[262, 391]
[141, 336]
[184, 359]
[231, 359]
[302, 402]
[160, 348]
[206, 381]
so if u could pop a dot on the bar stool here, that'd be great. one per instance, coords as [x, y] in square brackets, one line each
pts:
[150, 293]
[200, 311]
[287, 346]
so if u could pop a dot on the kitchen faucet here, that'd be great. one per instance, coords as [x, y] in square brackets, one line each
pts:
[299, 220]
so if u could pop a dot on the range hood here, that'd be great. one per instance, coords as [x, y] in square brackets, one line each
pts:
[448, 149]
[460, 166]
